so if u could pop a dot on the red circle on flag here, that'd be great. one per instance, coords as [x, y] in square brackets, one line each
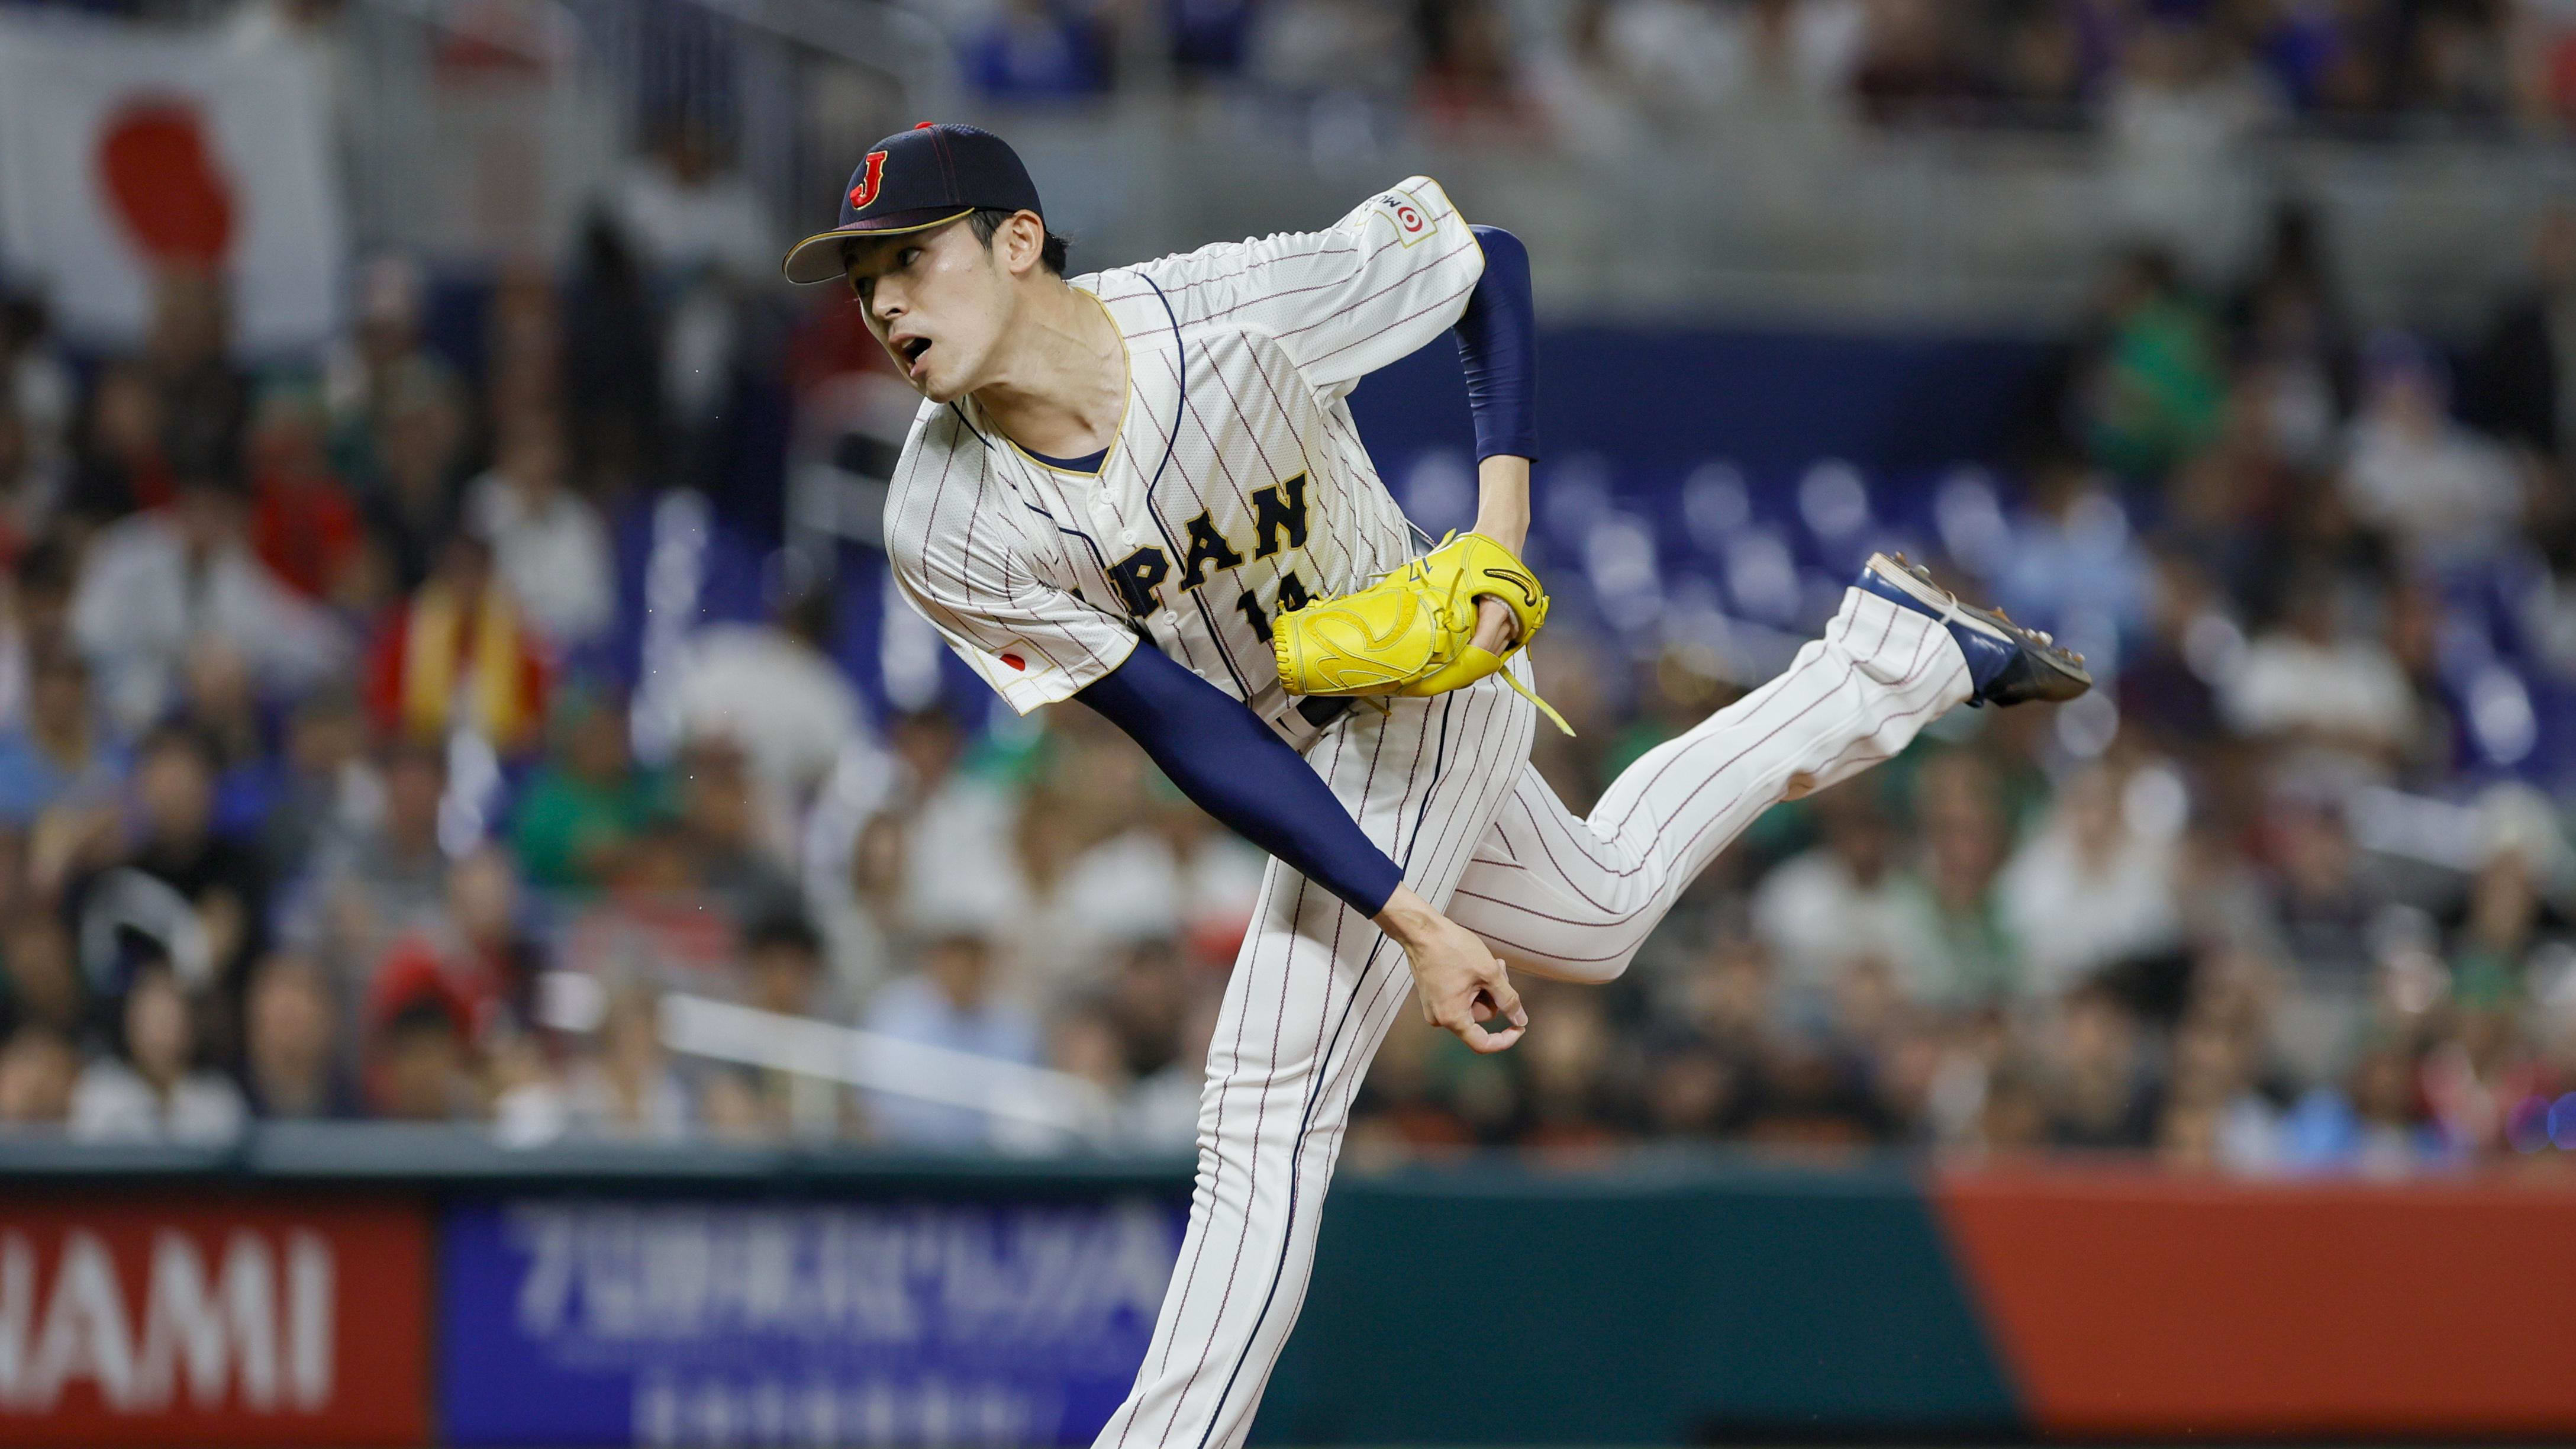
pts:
[159, 171]
[1015, 661]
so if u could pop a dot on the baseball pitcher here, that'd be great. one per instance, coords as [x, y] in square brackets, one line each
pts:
[1142, 489]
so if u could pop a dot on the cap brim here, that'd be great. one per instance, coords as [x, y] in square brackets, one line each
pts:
[818, 257]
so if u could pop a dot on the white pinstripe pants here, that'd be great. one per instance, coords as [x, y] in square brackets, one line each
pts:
[1444, 786]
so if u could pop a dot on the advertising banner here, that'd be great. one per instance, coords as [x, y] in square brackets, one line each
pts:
[179, 1321]
[582, 1321]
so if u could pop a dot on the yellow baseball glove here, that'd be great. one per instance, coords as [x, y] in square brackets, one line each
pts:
[1411, 631]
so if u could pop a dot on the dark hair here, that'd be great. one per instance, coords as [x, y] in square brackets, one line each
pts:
[185, 737]
[988, 220]
[783, 930]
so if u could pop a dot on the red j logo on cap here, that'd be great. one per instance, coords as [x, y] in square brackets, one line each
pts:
[866, 190]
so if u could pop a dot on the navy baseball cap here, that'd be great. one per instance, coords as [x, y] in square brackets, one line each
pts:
[915, 180]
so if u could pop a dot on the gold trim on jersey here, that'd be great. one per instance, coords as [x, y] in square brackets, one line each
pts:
[1126, 402]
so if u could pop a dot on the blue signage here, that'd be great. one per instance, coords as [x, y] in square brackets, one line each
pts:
[583, 1321]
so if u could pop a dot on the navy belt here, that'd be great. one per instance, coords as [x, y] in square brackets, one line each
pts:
[1320, 710]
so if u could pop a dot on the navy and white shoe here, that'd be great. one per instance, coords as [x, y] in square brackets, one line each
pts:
[2008, 663]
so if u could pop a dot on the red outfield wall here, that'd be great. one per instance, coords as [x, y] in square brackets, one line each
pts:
[2131, 1303]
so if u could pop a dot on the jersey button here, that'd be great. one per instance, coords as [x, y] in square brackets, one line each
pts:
[1130, 537]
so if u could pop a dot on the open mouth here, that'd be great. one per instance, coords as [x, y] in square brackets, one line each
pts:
[913, 349]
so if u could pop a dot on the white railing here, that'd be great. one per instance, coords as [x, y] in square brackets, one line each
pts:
[1028, 1108]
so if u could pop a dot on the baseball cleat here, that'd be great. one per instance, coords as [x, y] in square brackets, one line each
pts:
[2007, 663]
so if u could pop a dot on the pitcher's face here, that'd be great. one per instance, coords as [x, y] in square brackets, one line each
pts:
[939, 301]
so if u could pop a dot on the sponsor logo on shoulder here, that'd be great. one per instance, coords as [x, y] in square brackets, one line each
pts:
[1412, 220]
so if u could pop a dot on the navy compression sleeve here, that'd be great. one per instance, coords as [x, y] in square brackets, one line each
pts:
[1231, 766]
[1498, 343]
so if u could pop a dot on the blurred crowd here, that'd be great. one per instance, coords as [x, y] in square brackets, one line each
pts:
[2284, 895]
[318, 784]
[1604, 73]
[347, 769]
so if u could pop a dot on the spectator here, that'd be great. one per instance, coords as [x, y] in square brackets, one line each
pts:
[38, 1072]
[303, 524]
[1585, 87]
[2374, 1126]
[2104, 1094]
[29, 491]
[627, 1089]
[487, 944]
[2294, 341]
[419, 1064]
[785, 962]
[2321, 690]
[200, 892]
[2178, 114]
[2214, 1116]
[656, 921]
[35, 616]
[1470, 83]
[1700, 1062]
[42, 981]
[2437, 488]
[2092, 888]
[1574, 1104]
[1035, 50]
[205, 398]
[2074, 564]
[771, 689]
[121, 463]
[724, 835]
[613, 364]
[943, 842]
[2522, 387]
[1808, 1090]
[784, 959]
[1913, 65]
[1963, 952]
[1332, 48]
[218, 700]
[2326, 911]
[151, 1088]
[1843, 901]
[549, 547]
[328, 791]
[2154, 383]
[949, 1002]
[587, 802]
[1160, 1112]
[688, 208]
[61, 753]
[459, 656]
[384, 355]
[292, 1065]
[36, 383]
[381, 882]
[407, 484]
[2168, 690]
[155, 582]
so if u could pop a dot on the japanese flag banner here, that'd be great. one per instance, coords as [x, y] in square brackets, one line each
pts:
[124, 152]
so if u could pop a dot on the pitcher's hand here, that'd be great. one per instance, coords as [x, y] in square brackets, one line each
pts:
[1459, 982]
[1495, 626]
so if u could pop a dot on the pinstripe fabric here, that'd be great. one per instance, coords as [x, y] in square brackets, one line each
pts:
[1239, 360]
[1312, 994]
[1316, 987]
[1573, 897]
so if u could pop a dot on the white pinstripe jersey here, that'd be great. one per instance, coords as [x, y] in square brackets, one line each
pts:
[1236, 481]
